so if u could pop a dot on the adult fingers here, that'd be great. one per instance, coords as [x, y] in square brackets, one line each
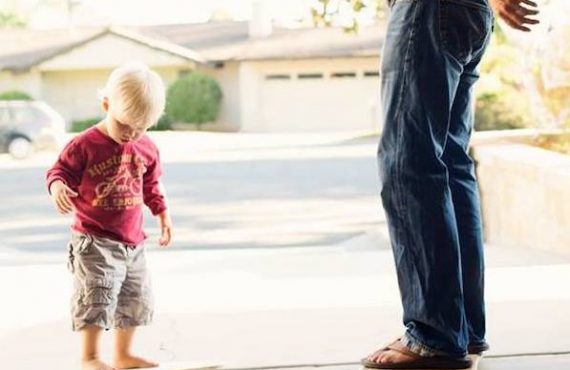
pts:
[513, 22]
[529, 3]
[519, 14]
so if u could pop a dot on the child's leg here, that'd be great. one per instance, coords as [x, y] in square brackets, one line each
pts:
[134, 308]
[97, 271]
[123, 357]
[90, 335]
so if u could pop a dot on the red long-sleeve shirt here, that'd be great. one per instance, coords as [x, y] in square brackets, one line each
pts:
[113, 181]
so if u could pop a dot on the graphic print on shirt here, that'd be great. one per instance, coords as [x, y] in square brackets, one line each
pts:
[119, 182]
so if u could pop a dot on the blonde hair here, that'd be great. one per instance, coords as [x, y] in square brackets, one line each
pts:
[137, 92]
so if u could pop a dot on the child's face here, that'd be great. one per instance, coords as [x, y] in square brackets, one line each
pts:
[120, 128]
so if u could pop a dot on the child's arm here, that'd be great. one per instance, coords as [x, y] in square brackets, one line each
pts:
[154, 198]
[165, 225]
[64, 176]
[61, 196]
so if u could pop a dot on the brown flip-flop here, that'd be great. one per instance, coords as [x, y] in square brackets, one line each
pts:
[417, 361]
[478, 349]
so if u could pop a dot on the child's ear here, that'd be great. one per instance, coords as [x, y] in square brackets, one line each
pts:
[105, 104]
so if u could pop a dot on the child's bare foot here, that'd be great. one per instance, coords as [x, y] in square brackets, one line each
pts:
[95, 364]
[132, 362]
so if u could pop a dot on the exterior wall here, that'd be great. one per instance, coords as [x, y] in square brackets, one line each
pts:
[298, 105]
[74, 93]
[228, 78]
[70, 82]
[29, 82]
[110, 51]
[525, 192]
[251, 102]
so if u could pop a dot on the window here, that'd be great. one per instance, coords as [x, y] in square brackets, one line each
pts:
[371, 74]
[308, 76]
[278, 77]
[343, 75]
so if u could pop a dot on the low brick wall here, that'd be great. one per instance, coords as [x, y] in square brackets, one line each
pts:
[525, 194]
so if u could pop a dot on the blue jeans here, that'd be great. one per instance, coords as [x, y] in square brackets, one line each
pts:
[429, 190]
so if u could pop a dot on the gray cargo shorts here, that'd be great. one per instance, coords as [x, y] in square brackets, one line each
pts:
[111, 283]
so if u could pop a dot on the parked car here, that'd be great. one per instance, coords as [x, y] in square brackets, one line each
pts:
[29, 125]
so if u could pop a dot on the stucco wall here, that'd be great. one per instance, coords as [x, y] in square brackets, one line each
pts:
[227, 76]
[74, 93]
[28, 82]
[525, 193]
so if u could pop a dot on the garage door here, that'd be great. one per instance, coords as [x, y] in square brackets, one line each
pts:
[337, 101]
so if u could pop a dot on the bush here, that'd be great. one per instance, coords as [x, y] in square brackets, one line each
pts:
[164, 123]
[81, 125]
[15, 95]
[496, 111]
[503, 100]
[558, 142]
[194, 99]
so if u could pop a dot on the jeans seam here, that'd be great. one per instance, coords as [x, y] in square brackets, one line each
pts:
[405, 75]
[407, 59]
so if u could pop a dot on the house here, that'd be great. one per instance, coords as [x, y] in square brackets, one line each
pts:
[273, 79]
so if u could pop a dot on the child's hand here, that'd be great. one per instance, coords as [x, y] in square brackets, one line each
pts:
[165, 225]
[61, 195]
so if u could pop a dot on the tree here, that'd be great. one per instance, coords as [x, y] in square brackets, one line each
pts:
[503, 101]
[348, 13]
[552, 75]
[10, 20]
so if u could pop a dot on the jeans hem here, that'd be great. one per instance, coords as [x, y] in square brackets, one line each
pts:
[417, 346]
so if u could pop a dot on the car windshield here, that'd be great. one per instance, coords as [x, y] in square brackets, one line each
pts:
[24, 115]
[4, 116]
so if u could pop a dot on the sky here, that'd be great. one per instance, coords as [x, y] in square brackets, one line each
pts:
[51, 13]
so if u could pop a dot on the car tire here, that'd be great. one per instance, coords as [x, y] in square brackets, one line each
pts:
[20, 148]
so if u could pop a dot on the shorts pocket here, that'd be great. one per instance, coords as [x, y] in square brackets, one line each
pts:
[81, 243]
[70, 257]
[98, 291]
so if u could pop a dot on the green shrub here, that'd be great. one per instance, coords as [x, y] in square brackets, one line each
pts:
[81, 125]
[164, 123]
[555, 142]
[15, 95]
[498, 111]
[194, 99]
[11, 20]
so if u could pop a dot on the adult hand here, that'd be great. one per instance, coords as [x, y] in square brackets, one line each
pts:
[516, 13]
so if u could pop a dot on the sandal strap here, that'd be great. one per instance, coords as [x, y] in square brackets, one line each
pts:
[397, 346]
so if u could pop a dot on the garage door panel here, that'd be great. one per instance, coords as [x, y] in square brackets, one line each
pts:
[341, 104]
